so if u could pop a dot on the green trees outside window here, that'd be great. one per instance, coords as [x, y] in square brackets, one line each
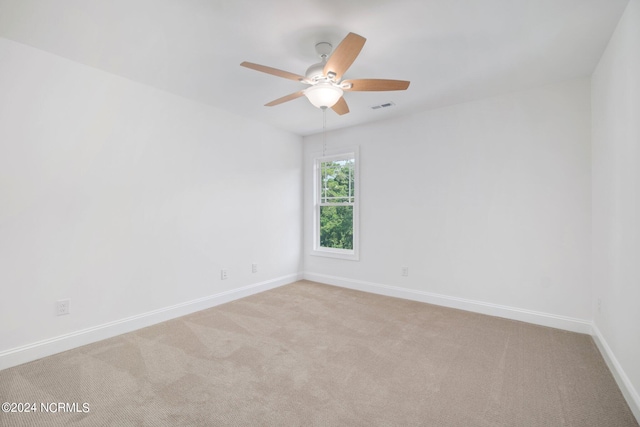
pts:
[336, 227]
[337, 198]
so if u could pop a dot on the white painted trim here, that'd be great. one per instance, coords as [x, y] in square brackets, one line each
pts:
[538, 318]
[318, 158]
[624, 383]
[27, 353]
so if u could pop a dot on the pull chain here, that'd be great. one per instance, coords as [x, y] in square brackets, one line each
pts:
[324, 131]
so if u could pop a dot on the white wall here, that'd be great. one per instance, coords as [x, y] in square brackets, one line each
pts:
[487, 203]
[616, 202]
[126, 199]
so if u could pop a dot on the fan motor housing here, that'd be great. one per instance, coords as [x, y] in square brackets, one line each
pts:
[316, 71]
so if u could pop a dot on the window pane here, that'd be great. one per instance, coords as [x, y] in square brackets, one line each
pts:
[336, 227]
[337, 179]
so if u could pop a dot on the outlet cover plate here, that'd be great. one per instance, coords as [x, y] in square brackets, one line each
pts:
[62, 307]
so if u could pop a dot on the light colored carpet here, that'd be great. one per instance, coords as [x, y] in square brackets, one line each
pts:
[314, 355]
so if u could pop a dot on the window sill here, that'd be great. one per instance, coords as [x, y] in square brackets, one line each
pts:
[336, 253]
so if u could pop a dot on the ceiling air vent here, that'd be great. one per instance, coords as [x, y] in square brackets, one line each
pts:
[385, 105]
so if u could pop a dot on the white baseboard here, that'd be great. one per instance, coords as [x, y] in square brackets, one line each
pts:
[626, 387]
[19, 355]
[529, 316]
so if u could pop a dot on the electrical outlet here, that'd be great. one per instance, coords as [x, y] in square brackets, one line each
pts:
[405, 271]
[62, 307]
[254, 268]
[224, 275]
[599, 305]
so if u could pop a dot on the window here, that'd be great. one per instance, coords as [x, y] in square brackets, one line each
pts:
[336, 206]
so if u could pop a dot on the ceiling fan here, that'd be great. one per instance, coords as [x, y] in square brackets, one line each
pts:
[326, 88]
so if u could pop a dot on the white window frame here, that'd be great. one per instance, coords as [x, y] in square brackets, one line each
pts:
[347, 254]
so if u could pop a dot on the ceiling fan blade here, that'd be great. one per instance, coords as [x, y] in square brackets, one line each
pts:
[363, 85]
[344, 55]
[285, 98]
[341, 106]
[274, 71]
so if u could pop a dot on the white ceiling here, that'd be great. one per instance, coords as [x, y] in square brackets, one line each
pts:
[451, 50]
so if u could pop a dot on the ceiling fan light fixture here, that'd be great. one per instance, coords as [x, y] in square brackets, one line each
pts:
[325, 77]
[323, 95]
